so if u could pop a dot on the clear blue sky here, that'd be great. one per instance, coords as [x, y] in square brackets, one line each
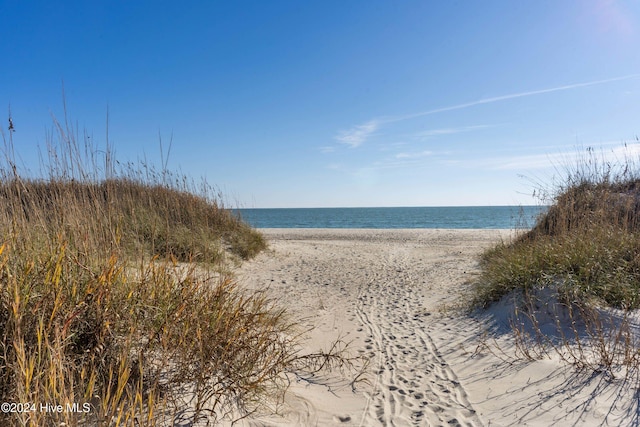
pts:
[331, 103]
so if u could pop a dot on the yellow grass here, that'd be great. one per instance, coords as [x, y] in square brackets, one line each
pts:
[116, 297]
[582, 258]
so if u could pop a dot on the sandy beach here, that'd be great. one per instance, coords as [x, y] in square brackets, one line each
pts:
[393, 295]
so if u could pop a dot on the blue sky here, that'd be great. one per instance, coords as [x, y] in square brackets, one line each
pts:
[331, 103]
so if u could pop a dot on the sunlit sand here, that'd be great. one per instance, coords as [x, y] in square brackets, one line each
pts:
[393, 296]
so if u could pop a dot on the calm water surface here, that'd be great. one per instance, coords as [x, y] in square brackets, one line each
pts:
[410, 217]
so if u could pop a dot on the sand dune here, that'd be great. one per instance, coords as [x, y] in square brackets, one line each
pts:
[392, 295]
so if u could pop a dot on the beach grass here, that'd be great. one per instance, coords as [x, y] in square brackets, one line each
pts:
[584, 253]
[587, 240]
[117, 301]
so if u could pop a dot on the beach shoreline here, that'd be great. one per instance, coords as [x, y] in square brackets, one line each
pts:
[394, 296]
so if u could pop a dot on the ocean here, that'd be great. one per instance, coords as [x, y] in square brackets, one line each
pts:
[486, 217]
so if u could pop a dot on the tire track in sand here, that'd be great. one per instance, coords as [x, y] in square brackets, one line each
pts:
[414, 385]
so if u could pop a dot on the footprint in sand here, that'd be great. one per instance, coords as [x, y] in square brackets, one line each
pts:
[342, 418]
[400, 339]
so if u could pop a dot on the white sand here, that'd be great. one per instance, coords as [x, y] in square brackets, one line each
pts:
[384, 291]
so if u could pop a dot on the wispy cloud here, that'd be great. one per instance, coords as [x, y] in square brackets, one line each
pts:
[528, 162]
[358, 134]
[613, 153]
[417, 155]
[448, 131]
[403, 160]
[436, 132]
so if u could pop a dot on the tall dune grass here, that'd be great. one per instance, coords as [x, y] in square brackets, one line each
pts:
[115, 297]
[582, 257]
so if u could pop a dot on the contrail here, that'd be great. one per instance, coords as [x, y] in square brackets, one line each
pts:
[359, 134]
[506, 97]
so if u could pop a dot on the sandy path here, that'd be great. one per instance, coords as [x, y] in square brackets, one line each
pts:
[414, 383]
[384, 292]
[379, 289]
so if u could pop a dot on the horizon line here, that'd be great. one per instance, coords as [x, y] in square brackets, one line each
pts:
[393, 207]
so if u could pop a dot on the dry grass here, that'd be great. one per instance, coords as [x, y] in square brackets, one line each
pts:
[115, 296]
[575, 275]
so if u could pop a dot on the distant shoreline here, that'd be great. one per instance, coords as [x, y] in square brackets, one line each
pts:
[389, 235]
[396, 207]
[457, 217]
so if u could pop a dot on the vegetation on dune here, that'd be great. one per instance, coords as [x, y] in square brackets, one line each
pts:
[585, 249]
[126, 214]
[115, 297]
[588, 241]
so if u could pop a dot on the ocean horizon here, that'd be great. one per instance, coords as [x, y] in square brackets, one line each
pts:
[454, 217]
